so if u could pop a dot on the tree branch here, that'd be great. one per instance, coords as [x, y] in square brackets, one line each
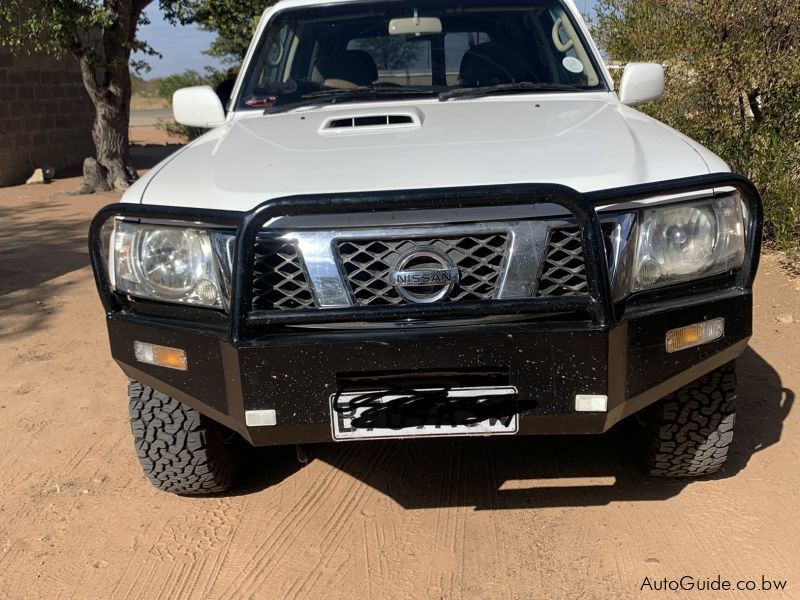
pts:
[139, 6]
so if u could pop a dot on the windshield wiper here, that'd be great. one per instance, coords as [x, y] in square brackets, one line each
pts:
[507, 88]
[367, 91]
[334, 95]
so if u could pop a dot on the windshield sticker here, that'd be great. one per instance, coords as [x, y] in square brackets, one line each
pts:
[262, 102]
[572, 64]
[275, 53]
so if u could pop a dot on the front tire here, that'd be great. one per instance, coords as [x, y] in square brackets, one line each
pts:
[180, 450]
[689, 433]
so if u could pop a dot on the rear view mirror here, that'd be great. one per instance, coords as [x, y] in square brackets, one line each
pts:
[641, 83]
[415, 26]
[198, 106]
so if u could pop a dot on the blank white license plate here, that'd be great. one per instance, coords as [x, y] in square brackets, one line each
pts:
[381, 414]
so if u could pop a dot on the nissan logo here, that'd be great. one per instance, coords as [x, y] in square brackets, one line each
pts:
[424, 275]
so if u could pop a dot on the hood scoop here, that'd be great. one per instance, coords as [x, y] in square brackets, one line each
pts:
[366, 123]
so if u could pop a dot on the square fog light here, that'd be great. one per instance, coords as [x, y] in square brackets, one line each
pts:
[163, 356]
[695, 335]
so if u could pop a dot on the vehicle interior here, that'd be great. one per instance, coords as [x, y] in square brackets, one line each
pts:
[454, 45]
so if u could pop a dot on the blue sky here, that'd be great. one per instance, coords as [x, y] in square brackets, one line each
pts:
[182, 47]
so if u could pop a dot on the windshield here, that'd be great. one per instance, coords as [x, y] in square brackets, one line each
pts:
[446, 48]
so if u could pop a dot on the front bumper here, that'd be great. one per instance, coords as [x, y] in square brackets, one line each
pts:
[549, 366]
[552, 352]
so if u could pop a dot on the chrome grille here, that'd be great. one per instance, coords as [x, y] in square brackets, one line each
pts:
[367, 264]
[321, 269]
[279, 282]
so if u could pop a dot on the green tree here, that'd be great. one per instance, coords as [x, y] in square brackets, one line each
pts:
[234, 22]
[733, 83]
[100, 34]
[167, 86]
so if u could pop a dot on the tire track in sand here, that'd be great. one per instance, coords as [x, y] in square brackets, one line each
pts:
[301, 514]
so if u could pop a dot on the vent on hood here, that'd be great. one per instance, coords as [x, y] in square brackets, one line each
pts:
[368, 122]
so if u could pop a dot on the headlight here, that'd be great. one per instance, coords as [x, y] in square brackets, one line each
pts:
[688, 241]
[173, 264]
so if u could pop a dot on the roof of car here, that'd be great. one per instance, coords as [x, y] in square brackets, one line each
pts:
[292, 3]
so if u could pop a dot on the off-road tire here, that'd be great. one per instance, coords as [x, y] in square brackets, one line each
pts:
[180, 450]
[689, 433]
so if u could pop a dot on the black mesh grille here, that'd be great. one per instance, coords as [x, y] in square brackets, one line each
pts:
[367, 264]
[279, 281]
[563, 270]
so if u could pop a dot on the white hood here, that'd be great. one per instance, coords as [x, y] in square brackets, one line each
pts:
[587, 142]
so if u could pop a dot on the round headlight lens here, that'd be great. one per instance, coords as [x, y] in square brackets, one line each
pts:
[683, 240]
[173, 264]
[171, 261]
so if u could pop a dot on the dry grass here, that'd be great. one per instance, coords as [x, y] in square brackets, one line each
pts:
[144, 103]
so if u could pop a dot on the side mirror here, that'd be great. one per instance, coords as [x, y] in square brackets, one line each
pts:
[641, 83]
[198, 107]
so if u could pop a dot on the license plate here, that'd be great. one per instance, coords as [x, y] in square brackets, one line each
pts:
[387, 414]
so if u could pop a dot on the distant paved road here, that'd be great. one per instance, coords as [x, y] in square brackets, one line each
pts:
[145, 118]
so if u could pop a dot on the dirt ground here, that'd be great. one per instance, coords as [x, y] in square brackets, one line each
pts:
[502, 518]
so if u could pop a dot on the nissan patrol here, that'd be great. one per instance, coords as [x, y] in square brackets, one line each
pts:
[419, 218]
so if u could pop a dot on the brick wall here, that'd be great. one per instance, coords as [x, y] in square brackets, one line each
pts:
[45, 116]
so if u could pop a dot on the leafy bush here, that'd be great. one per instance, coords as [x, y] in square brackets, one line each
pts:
[175, 129]
[733, 83]
[234, 22]
[167, 86]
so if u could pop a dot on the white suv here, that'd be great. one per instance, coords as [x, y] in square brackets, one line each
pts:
[427, 218]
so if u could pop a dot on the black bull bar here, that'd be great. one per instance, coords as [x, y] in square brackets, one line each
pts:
[597, 305]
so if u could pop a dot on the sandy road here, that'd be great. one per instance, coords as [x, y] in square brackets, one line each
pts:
[509, 518]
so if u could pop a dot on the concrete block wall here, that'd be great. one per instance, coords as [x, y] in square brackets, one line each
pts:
[45, 116]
